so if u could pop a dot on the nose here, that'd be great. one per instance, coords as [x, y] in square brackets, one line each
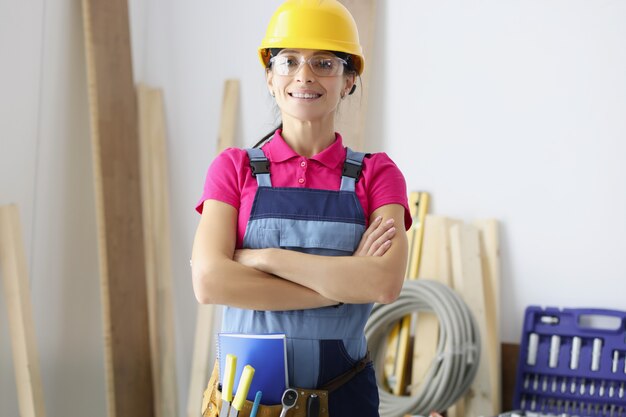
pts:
[305, 74]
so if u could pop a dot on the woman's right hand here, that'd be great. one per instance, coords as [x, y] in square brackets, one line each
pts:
[377, 238]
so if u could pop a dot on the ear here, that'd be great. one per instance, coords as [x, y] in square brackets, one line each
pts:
[350, 85]
[269, 80]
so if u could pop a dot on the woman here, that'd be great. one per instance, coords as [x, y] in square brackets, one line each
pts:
[282, 241]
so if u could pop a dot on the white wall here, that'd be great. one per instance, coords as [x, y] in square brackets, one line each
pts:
[45, 168]
[506, 109]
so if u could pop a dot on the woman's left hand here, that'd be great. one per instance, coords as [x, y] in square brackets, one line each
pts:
[377, 238]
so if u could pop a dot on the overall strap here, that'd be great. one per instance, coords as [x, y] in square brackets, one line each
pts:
[260, 166]
[351, 169]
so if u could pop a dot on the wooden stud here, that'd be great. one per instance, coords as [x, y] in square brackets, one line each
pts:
[353, 110]
[155, 202]
[418, 204]
[206, 312]
[490, 262]
[113, 109]
[396, 336]
[427, 325]
[228, 123]
[468, 281]
[20, 316]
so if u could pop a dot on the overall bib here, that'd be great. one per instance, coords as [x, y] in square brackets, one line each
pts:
[322, 343]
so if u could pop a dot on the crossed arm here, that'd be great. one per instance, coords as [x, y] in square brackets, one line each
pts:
[278, 279]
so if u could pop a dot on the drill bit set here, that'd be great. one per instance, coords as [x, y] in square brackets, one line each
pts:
[572, 362]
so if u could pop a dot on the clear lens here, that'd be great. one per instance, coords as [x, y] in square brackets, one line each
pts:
[321, 65]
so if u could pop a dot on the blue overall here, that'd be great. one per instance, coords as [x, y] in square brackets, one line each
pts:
[322, 343]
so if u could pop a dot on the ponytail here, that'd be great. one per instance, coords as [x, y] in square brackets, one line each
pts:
[268, 136]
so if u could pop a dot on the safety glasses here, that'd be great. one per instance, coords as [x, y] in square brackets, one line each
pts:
[323, 65]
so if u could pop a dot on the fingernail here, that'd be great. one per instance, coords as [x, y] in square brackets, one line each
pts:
[390, 221]
[379, 218]
[393, 229]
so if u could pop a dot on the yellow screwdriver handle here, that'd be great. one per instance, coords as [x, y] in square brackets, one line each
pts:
[243, 387]
[229, 377]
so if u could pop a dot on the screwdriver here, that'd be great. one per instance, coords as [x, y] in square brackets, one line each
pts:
[242, 390]
[227, 384]
[313, 406]
[255, 405]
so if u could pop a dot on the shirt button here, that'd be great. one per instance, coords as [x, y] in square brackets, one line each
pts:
[301, 180]
[303, 164]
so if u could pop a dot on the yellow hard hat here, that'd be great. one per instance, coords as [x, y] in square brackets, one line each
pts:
[313, 24]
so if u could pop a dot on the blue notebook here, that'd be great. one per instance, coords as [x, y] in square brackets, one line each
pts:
[266, 353]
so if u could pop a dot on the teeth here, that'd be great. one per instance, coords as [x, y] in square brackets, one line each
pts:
[304, 95]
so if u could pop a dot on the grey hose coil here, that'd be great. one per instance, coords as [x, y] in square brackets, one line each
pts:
[458, 350]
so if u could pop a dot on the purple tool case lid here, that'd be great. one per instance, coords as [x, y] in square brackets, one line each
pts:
[572, 361]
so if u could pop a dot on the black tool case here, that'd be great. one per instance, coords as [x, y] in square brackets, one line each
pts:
[572, 361]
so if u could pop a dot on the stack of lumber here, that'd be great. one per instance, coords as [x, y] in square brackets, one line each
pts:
[464, 256]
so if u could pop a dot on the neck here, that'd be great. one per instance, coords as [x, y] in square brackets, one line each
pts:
[308, 138]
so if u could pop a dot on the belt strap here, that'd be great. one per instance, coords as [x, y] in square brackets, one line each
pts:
[344, 378]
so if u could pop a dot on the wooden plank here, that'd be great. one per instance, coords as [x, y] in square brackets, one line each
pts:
[468, 281]
[20, 316]
[155, 202]
[353, 110]
[419, 203]
[399, 333]
[458, 409]
[115, 139]
[228, 124]
[427, 325]
[490, 263]
[205, 316]
[435, 264]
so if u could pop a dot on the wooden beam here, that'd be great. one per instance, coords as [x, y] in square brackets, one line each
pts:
[206, 312]
[20, 316]
[490, 265]
[228, 122]
[468, 281]
[115, 144]
[418, 203]
[155, 202]
[353, 109]
[427, 325]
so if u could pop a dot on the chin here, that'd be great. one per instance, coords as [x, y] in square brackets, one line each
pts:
[308, 115]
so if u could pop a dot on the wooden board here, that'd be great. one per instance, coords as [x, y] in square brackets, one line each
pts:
[468, 281]
[427, 326]
[20, 316]
[228, 124]
[155, 202]
[115, 144]
[490, 264]
[418, 203]
[200, 364]
[353, 109]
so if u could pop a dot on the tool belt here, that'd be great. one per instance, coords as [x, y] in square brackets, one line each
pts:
[212, 397]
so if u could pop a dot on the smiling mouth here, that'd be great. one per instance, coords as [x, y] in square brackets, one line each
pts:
[307, 96]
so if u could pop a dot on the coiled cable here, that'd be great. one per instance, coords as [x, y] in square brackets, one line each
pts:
[458, 348]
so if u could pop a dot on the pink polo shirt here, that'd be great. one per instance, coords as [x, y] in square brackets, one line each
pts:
[230, 179]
